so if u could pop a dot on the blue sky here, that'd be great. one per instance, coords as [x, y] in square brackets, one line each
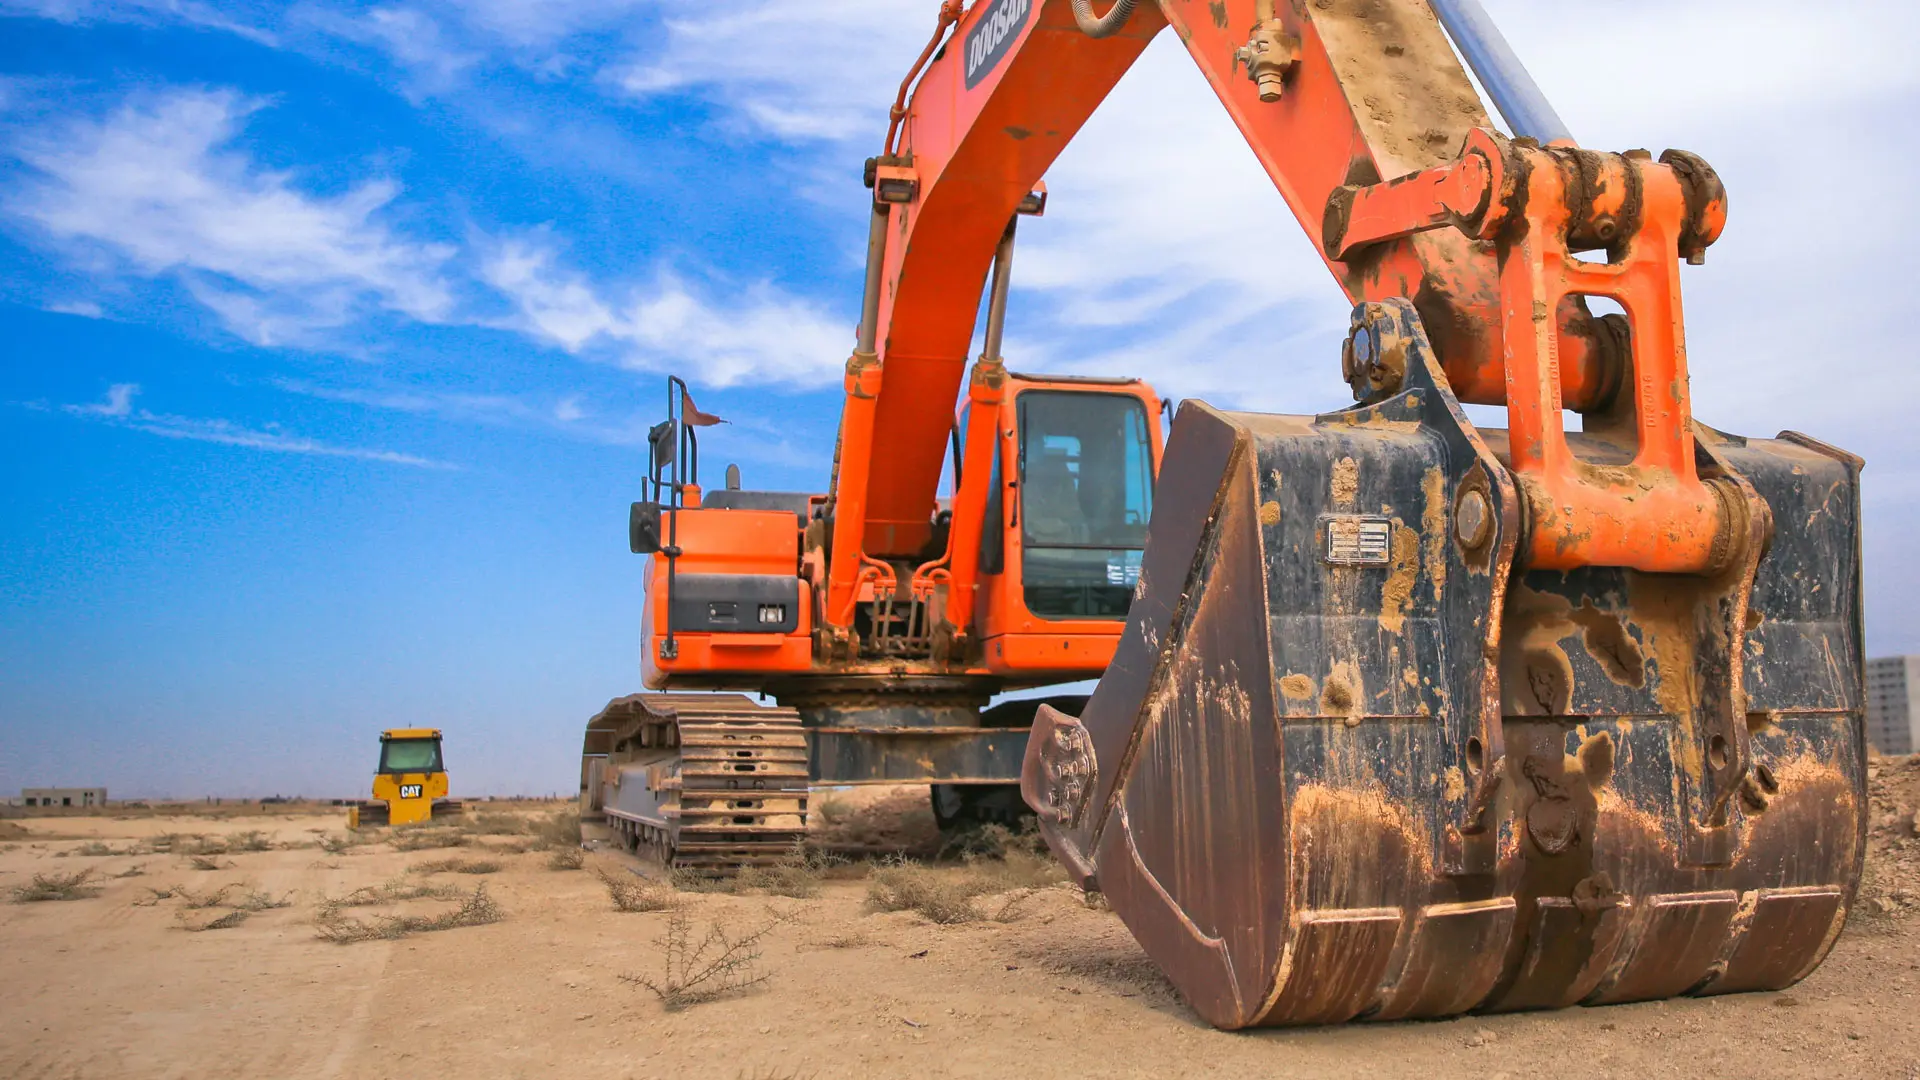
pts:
[329, 331]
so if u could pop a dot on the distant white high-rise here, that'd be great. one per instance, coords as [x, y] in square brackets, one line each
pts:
[1893, 703]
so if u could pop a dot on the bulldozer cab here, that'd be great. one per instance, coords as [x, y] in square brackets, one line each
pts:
[410, 783]
[409, 750]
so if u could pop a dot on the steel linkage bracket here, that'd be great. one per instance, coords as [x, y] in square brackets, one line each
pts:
[1394, 371]
[1670, 508]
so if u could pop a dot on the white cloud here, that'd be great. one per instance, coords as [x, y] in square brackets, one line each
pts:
[86, 309]
[118, 402]
[756, 334]
[413, 39]
[117, 408]
[250, 25]
[831, 76]
[158, 184]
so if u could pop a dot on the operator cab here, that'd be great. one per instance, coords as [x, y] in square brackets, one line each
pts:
[1066, 520]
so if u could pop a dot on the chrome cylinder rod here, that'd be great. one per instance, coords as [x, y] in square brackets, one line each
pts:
[1500, 72]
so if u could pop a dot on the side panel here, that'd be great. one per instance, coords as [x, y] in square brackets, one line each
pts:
[733, 561]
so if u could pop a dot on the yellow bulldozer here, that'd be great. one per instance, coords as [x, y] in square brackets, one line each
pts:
[410, 786]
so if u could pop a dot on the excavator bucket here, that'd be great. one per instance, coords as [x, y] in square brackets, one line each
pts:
[1350, 762]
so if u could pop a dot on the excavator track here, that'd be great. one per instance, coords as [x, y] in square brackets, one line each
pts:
[706, 783]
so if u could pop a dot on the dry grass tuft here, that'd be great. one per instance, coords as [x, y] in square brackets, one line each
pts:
[851, 940]
[690, 880]
[344, 843]
[197, 900]
[950, 896]
[389, 892]
[718, 964]
[456, 866]
[219, 922]
[830, 808]
[424, 838]
[260, 900]
[635, 893]
[798, 874]
[94, 849]
[136, 870]
[938, 896]
[251, 840]
[494, 824]
[476, 910]
[559, 829]
[43, 887]
[571, 858]
[207, 862]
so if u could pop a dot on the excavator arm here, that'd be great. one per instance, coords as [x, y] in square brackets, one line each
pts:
[1335, 94]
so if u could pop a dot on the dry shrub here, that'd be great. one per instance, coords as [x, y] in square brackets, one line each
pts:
[798, 874]
[423, 839]
[558, 829]
[219, 922]
[571, 858]
[259, 900]
[494, 824]
[173, 843]
[344, 843]
[949, 897]
[456, 866]
[74, 886]
[389, 892]
[251, 840]
[207, 862]
[476, 910]
[96, 849]
[939, 896]
[197, 900]
[716, 965]
[156, 896]
[691, 879]
[135, 870]
[851, 940]
[831, 809]
[635, 893]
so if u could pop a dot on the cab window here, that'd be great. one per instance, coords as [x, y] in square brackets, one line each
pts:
[410, 756]
[1086, 493]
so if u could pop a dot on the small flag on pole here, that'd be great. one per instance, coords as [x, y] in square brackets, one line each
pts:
[692, 414]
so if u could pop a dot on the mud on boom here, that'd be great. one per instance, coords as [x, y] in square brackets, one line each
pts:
[1398, 716]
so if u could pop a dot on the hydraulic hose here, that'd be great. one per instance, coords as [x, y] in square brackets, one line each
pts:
[1100, 26]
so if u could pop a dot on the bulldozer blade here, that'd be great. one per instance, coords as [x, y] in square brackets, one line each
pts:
[1349, 762]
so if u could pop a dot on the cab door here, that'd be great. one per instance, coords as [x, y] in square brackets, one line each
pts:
[1066, 526]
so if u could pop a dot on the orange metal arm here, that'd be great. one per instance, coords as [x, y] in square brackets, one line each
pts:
[1328, 96]
[973, 152]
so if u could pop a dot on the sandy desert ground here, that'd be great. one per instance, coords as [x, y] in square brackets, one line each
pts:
[126, 982]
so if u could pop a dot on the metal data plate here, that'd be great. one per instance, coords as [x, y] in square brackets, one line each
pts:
[1354, 540]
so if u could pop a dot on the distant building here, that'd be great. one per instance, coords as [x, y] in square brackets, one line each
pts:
[64, 796]
[1893, 703]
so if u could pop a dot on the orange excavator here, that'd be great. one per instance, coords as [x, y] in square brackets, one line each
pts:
[1398, 715]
